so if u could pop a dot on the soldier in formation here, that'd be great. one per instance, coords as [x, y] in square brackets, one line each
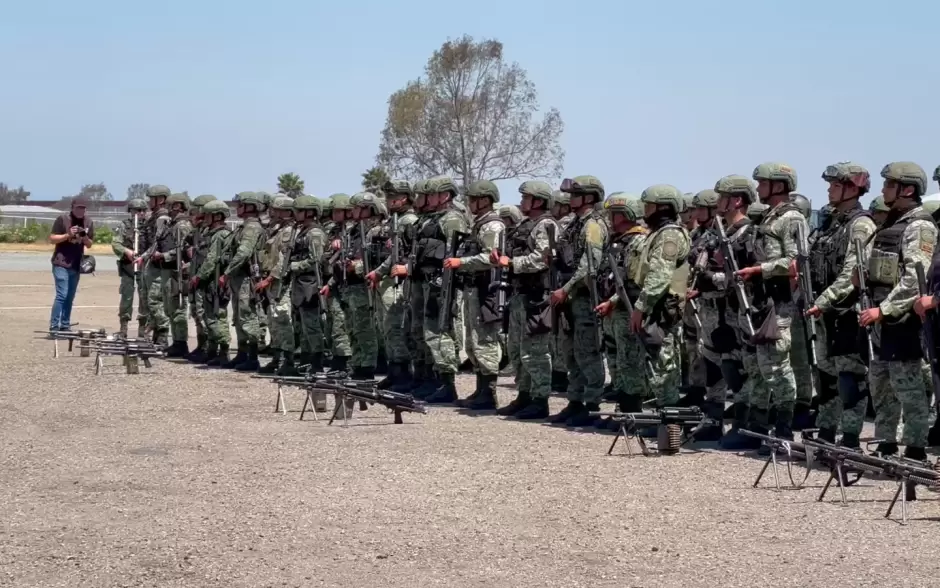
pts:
[126, 245]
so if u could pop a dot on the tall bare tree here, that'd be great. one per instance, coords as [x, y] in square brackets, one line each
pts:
[290, 184]
[95, 192]
[10, 196]
[472, 116]
[137, 191]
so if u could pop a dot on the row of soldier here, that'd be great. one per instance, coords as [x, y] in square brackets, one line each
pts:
[537, 284]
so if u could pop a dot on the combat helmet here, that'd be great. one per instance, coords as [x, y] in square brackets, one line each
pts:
[395, 187]
[936, 174]
[252, 198]
[282, 202]
[707, 198]
[907, 173]
[511, 211]
[878, 205]
[664, 194]
[847, 172]
[559, 197]
[756, 211]
[541, 190]
[369, 200]
[776, 172]
[136, 205]
[583, 185]
[626, 204]
[442, 184]
[216, 207]
[688, 201]
[803, 203]
[182, 199]
[266, 199]
[736, 185]
[483, 189]
[341, 201]
[158, 191]
[307, 202]
[200, 201]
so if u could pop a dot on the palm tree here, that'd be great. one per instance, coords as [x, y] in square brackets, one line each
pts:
[290, 184]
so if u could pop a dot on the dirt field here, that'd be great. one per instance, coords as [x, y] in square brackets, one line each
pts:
[186, 477]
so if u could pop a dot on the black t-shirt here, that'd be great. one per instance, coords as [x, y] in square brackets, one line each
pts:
[68, 254]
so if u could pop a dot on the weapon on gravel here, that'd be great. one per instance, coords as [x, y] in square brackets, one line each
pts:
[83, 336]
[908, 473]
[676, 426]
[132, 350]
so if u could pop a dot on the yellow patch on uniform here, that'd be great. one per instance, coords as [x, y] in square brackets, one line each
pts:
[927, 241]
[593, 234]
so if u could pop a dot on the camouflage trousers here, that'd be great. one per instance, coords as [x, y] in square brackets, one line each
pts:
[712, 316]
[440, 342]
[482, 339]
[773, 361]
[799, 358]
[583, 354]
[665, 372]
[360, 321]
[752, 380]
[262, 327]
[897, 387]
[337, 326]
[197, 311]
[515, 333]
[129, 285]
[175, 306]
[420, 353]
[155, 310]
[392, 309]
[217, 326]
[311, 327]
[693, 364]
[610, 348]
[632, 380]
[557, 345]
[244, 311]
[300, 340]
[842, 391]
[279, 316]
[534, 362]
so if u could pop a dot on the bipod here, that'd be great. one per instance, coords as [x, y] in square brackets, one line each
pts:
[793, 450]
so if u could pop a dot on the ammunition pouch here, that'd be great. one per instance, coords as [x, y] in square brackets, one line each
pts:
[900, 341]
[538, 314]
[304, 292]
[769, 331]
[843, 334]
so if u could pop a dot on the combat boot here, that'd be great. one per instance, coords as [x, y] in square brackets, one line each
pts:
[251, 362]
[782, 428]
[222, 360]
[178, 349]
[288, 368]
[536, 409]
[518, 404]
[610, 394]
[316, 363]
[428, 385]
[826, 434]
[397, 372]
[582, 417]
[241, 356]
[559, 382]
[198, 354]
[694, 396]
[850, 441]
[409, 382]
[486, 400]
[567, 412]
[628, 403]
[161, 339]
[933, 435]
[803, 417]
[274, 364]
[447, 393]
[886, 449]
[464, 402]
[915, 453]
[303, 359]
[123, 330]
[212, 353]
[715, 412]
[339, 367]
[734, 440]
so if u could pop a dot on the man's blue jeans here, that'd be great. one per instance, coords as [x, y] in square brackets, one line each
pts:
[66, 284]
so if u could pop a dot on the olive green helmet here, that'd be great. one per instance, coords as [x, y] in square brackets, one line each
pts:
[936, 174]
[803, 203]
[664, 194]
[442, 184]
[626, 204]
[776, 172]
[688, 201]
[200, 201]
[878, 205]
[705, 199]
[511, 211]
[282, 203]
[583, 185]
[559, 197]
[216, 207]
[307, 202]
[735, 185]
[421, 187]
[369, 200]
[326, 206]
[395, 187]
[848, 173]
[249, 198]
[341, 201]
[158, 191]
[907, 173]
[178, 199]
[483, 189]
[136, 205]
[756, 211]
[541, 190]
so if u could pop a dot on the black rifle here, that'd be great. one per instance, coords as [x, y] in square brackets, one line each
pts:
[136, 243]
[180, 285]
[673, 423]
[553, 277]
[621, 290]
[449, 284]
[499, 276]
[365, 261]
[731, 268]
[698, 268]
[254, 275]
[864, 300]
[807, 297]
[396, 243]
[591, 280]
[409, 280]
[928, 331]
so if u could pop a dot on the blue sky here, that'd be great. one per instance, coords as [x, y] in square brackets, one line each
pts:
[218, 97]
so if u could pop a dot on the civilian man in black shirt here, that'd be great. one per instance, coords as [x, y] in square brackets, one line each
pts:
[71, 234]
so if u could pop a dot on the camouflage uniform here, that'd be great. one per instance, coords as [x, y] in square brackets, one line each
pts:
[155, 230]
[338, 330]
[175, 300]
[274, 259]
[895, 375]
[131, 280]
[585, 236]
[559, 342]
[215, 298]
[512, 216]
[799, 352]
[833, 263]
[197, 304]
[360, 309]
[307, 278]
[242, 250]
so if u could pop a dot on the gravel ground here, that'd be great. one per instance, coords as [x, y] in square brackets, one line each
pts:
[185, 477]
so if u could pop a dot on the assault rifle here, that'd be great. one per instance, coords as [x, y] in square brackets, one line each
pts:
[698, 268]
[148, 254]
[591, 280]
[346, 391]
[864, 301]
[396, 243]
[83, 336]
[132, 350]
[806, 298]
[180, 284]
[907, 473]
[449, 284]
[365, 261]
[499, 276]
[621, 290]
[136, 243]
[731, 268]
[409, 280]
[553, 284]
[673, 423]
[254, 275]
[928, 331]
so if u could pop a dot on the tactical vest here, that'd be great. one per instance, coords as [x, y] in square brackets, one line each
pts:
[271, 249]
[519, 243]
[679, 284]
[167, 242]
[828, 251]
[432, 246]
[741, 238]
[473, 245]
[127, 239]
[886, 259]
[201, 243]
[571, 246]
[776, 288]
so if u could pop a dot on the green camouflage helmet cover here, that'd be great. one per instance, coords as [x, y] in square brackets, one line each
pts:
[907, 173]
[158, 191]
[216, 207]
[511, 211]
[627, 204]
[282, 202]
[688, 201]
[341, 201]
[483, 189]
[707, 198]
[249, 198]
[803, 203]
[394, 187]
[878, 205]
[847, 172]
[421, 187]
[737, 186]
[307, 202]
[756, 210]
[136, 205]
[583, 185]
[776, 172]
[369, 200]
[178, 199]
[539, 189]
[442, 184]
[202, 200]
[664, 194]
[559, 197]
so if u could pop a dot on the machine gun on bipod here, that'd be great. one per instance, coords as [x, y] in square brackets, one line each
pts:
[676, 426]
[134, 351]
[83, 336]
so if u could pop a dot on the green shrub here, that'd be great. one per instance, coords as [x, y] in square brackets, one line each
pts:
[103, 235]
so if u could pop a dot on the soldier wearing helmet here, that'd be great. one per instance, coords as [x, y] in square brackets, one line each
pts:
[936, 175]
[833, 264]
[561, 209]
[307, 271]
[205, 280]
[909, 238]
[879, 210]
[756, 211]
[155, 229]
[170, 251]
[197, 247]
[126, 243]
[581, 245]
[272, 286]
[398, 230]
[687, 216]
[236, 275]
[339, 251]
